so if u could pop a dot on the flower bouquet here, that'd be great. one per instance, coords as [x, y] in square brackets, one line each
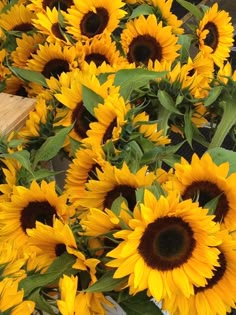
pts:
[141, 106]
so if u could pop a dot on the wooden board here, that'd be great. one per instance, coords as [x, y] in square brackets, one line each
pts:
[14, 111]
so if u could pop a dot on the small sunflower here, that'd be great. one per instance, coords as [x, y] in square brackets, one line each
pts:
[203, 181]
[163, 12]
[217, 297]
[168, 240]
[83, 168]
[87, 19]
[26, 46]
[48, 23]
[16, 86]
[18, 18]
[53, 59]
[28, 205]
[112, 183]
[50, 242]
[9, 168]
[145, 39]
[215, 34]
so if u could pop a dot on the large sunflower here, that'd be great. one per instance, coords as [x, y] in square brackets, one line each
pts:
[50, 242]
[28, 205]
[203, 181]
[53, 59]
[94, 17]
[169, 248]
[112, 183]
[18, 18]
[83, 168]
[215, 34]
[145, 39]
[218, 296]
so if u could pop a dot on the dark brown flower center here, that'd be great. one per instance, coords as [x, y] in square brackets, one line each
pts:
[124, 191]
[206, 191]
[23, 27]
[94, 23]
[144, 48]
[108, 133]
[40, 211]
[21, 91]
[212, 38]
[167, 243]
[55, 67]
[57, 31]
[60, 249]
[82, 118]
[218, 275]
[62, 4]
[98, 59]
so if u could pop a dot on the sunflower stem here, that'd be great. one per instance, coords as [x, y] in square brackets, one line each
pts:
[228, 120]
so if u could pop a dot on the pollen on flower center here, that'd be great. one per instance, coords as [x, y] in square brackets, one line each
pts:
[94, 23]
[167, 243]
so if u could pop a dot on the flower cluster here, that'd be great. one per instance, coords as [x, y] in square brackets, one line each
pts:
[137, 106]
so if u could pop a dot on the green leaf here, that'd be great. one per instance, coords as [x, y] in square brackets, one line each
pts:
[185, 41]
[106, 283]
[44, 173]
[131, 79]
[213, 95]
[23, 157]
[167, 102]
[29, 75]
[51, 146]
[221, 155]
[41, 303]
[90, 99]
[116, 205]
[61, 265]
[192, 8]
[188, 130]
[143, 9]
[212, 204]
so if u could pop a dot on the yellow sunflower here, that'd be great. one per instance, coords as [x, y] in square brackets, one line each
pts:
[42, 5]
[53, 59]
[218, 296]
[68, 289]
[163, 11]
[9, 168]
[12, 298]
[26, 46]
[47, 23]
[203, 181]
[87, 19]
[50, 242]
[215, 34]
[28, 205]
[145, 39]
[225, 72]
[4, 71]
[110, 116]
[83, 167]
[17, 18]
[168, 240]
[102, 50]
[112, 183]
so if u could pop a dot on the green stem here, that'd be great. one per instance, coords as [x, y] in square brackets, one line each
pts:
[228, 120]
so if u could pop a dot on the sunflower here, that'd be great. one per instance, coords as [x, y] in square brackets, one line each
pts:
[215, 35]
[53, 59]
[26, 46]
[87, 19]
[83, 167]
[4, 71]
[226, 72]
[145, 39]
[112, 183]
[42, 5]
[12, 298]
[217, 297]
[70, 95]
[102, 50]
[203, 180]
[168, 240]
[17, 18]
[50, 242]
[48, 23]
[16, 86]
[28, 205]
[10, 169]
[163, 12]
[68, 290]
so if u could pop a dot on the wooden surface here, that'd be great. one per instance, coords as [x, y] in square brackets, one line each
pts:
[14, 111]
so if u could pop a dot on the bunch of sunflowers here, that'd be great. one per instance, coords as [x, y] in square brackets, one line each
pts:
[133, 225]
